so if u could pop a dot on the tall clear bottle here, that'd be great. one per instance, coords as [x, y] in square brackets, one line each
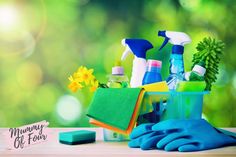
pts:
[116, 80]
[178, 39]
[176, 70]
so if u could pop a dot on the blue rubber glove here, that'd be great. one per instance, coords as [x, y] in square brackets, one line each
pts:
[190, 135]
[143, 137]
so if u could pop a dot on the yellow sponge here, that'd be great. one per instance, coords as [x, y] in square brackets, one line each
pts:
[149, 98]
[156, 87]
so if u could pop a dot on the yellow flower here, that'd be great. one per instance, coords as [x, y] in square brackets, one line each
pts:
[74, 83]
[81, 69]
[81, 77]
[94, 85]
[85, 75]
[74, 86]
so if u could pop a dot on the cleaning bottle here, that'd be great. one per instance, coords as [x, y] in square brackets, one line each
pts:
[138, 47]
[152, 75]
[197, 73]
[178, 39]
[117, 79]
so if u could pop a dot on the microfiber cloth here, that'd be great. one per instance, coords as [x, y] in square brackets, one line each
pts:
[131, 123]
[116, 107]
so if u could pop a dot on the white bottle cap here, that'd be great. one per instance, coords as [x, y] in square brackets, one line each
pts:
[117, 70]
[199, 69]
[187, 75]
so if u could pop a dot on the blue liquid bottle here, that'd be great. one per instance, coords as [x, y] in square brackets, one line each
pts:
[152, 75]
[153, 72]
[178, 39]
[176, 69]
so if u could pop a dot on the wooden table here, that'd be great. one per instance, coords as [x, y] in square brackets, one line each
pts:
[52, 148]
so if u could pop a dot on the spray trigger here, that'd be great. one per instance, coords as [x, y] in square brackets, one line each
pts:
[163, 34]
[164, 43]
[127, 50]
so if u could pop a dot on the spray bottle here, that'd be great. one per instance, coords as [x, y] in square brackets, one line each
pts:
[139, 48]
[178, 39]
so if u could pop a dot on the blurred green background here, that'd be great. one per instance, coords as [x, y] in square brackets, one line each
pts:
[42, 42]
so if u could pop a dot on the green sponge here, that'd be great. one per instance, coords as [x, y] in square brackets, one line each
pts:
[77, 137]
[191, 86]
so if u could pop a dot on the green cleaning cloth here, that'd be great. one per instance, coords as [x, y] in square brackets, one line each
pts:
[114, 106]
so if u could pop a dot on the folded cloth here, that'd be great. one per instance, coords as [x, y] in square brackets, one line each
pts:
[116, 109]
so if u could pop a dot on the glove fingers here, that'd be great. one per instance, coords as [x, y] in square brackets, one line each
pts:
[163, 142]
[135, 143]
[168, 126]
[141, 129]
[174, 145]
[188, 148]
[151, 142]
[163, 125]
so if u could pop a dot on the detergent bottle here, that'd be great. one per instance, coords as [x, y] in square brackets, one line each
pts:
[153, 72]
[178, 39]
[138, 47]
[117, 79]
[152, 75]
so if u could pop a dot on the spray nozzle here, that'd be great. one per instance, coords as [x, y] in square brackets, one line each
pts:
[138, 47]
[178, 39]
[163, 34]
[127, 50]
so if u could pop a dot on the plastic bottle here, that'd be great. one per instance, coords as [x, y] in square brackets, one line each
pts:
[116, 80]
[152, 75]
[138, 47]
[178, 39]
[176, 71]
[197, 73]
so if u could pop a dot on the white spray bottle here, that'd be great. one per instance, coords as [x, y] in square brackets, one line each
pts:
[139, 48]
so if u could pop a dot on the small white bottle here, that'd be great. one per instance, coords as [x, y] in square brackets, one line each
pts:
[197, 73]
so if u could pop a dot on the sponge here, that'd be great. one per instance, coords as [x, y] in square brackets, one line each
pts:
[77, 137]
[191, 86]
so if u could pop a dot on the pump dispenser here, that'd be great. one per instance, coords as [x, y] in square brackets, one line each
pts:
[178, 40]
[138, 47]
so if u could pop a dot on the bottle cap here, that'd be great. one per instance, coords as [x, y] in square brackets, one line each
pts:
[199, 69]
[154, 63]
[117, 69]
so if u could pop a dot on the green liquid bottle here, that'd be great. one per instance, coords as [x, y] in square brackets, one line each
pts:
[116, 80]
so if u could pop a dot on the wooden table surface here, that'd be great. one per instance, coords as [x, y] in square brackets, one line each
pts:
[52, 148]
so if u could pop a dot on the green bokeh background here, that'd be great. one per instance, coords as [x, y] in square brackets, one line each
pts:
[42, 42]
